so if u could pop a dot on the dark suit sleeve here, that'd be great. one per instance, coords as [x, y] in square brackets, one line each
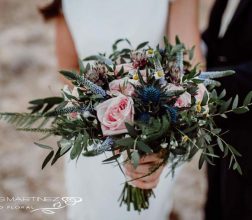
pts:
[239, 83]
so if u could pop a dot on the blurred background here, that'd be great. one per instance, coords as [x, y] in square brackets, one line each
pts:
[28, 70]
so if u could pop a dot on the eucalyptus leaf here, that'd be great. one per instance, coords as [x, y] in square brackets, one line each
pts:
[43, 146]
[132, 131]
[127, 142]
[142, 45]
[47, 159]
[77, 148]
[220, 144]
[241, 110]
[235, 102]
[135, 157]
[143, 147]
[248, 99]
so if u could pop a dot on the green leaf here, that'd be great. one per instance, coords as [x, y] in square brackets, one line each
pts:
[235, 102]
[238, 168]
[223, 94]
[248, 99]
[192, 152]
[225, 152]
[197, 81]
[142, 45]
[135, 157]
[220, 144]
[65, 146]
[241, 110]
[177, 40]
[47, 159]
[37, 102]
[68, 74]
[143, 147]
[77, 148]
[43, 146]
[126, 142]
[201, 160]
[114, 157]
[234, 151]
[100, 58]
[205, 99]
[225, 105]
[191, 53]
[81, 66]
[131, 130]
[56, 157]
[231, 161]
[216, 130]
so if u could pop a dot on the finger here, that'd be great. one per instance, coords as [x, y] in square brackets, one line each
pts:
[146, 185]
[143, 169]
[151, 158]
[150, 178]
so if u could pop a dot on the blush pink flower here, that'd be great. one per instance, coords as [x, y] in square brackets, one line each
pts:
[126, 67]
[184, 100]
[113, 113]
[123, 86]
[199, 97]
[200, 93]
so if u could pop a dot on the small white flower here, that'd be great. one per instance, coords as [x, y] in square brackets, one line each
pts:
[86, 114]
[143, 136]
[159, 74]
[150, 53]
[164, 145]
[132, 72]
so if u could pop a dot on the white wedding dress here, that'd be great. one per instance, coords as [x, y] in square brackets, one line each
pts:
[95, 25]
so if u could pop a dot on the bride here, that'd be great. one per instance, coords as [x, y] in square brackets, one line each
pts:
[86, 27]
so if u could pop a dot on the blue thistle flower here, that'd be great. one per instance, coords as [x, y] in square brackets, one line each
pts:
[150, 94]
[144, 117]
[173, 113]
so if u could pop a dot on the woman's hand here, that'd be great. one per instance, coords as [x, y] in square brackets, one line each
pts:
[146, 163]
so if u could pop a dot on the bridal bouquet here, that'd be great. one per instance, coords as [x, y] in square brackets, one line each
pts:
[133, 103]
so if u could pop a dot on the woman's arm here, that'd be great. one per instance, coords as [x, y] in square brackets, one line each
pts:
[184, 22]
[65, 50]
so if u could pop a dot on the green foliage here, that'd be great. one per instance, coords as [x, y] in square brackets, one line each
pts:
[176, 133]
[44, 104]
[142, 45]
[24, 120]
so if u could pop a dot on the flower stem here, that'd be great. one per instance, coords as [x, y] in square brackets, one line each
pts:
[136, 197]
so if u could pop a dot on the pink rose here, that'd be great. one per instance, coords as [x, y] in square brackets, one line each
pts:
[123, 86]
[184, 100]
[113, 114]
[199, 97]
[126, 67]
[200, 93]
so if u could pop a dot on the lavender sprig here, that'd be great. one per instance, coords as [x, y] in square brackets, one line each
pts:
[82, 81]
[180, 60]
[104, 146]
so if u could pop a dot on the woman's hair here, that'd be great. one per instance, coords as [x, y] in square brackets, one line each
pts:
[51, 10]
